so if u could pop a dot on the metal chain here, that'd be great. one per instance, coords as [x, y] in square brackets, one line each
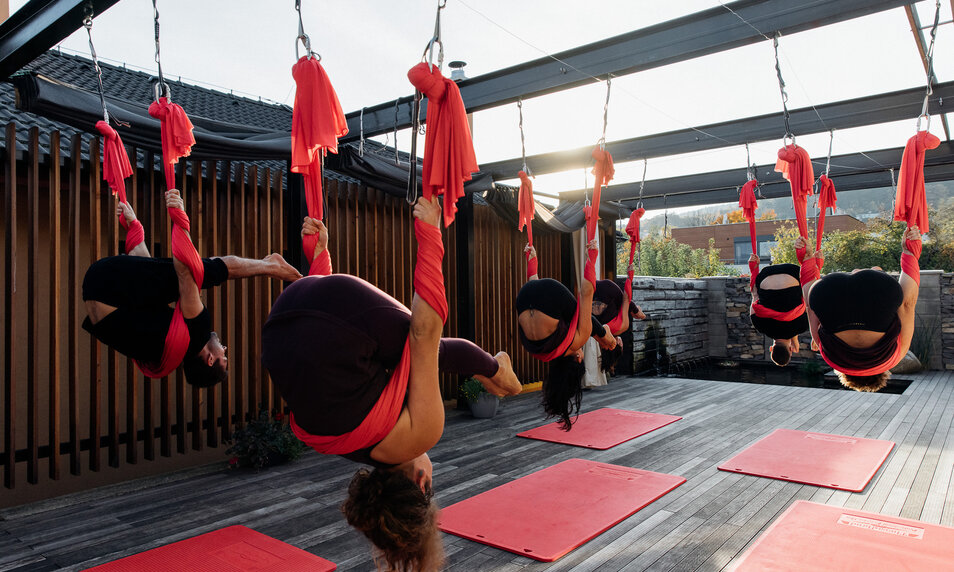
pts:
[606, 112]
[435, 40]
[162, 87]
[88, 24]
[831, 140]
[642, 183]
[929, 55]
[361, 127]
[523, 148]
[781, 88]
[303, 37]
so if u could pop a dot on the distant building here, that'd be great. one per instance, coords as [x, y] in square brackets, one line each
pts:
[735, 245]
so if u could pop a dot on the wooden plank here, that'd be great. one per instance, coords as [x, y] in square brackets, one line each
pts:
[242, 406]
[95, 364]
[53, 278]
[135, 199]
[10, 305]
[152, 198]
[33, 306]
[213, 297]
[228, 306]
[73, 311]
[199, 215]
[112, 367]
[253, 306]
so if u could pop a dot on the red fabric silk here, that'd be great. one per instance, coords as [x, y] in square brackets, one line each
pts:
[826, 199]
[809, 271]
[177, 338]
[176, 134]
[429, 285]
[888, 364]
[796, 166]
[449, 157]
[525, 212]
[321, 264]
[603, 172]
[748, 204]
[317, 123]
[632, 229]
[910, 266]
[910, 205]
[763, 312]
[375, 426]
[116, 168]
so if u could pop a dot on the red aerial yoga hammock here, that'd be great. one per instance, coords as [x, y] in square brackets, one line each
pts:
[525, 213]
[317, 123]
[177, 142]
[796, 166]
[748, 204]
[632, 229]
[603, 172]
[449, 157]
[116, 168]
[429, 285]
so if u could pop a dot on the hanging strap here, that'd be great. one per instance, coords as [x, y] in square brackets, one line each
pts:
[748, 204]
[429, 285]
[449, 157]
[525, 214]
[910, 204]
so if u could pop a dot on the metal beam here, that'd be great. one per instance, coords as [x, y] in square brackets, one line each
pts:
[883, 108]
[699, 34]
[921, 43]
[38, 26]
[849, 172]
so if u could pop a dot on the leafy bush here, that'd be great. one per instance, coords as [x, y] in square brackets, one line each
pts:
[666, 257]
[471, 388]
[264, 441]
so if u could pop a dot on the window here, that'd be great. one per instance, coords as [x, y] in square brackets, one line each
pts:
[743, 248]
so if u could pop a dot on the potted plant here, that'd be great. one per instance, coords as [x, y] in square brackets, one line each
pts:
[482, 403]
[265, 441]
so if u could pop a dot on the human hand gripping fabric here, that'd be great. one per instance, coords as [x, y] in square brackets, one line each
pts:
[125, 211]
[428, 210]
[174, 200]
[312, 226]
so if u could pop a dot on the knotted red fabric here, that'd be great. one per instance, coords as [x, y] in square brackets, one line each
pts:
[826, 200]
[449, 157]
[632, 229]
[429, 285]
[177, 338]
[603, 172]
[910, 204]
[796, 166]
[176, 135]
[526, 208]
[116, 168]
[317, 123]
[749, 204]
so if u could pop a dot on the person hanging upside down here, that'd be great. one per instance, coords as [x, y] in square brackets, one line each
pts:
[611, 309]
[127, 301]
[862, 322]
[546, 310]
[777, 308]
[335, 347]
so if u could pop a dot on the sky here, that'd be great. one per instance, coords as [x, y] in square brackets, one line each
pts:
[367, 46]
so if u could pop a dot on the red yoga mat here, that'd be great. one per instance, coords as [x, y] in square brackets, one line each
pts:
[546, 514]
[232, 549]
[603, 428]
[811, 536]
[833, 461]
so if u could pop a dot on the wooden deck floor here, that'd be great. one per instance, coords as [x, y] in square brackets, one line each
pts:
[702, 525]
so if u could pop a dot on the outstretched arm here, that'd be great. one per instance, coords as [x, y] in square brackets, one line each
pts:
[584, 325]
[421, 424]
[189, 300]
[909, 289]
[127, 212]
[531, 253]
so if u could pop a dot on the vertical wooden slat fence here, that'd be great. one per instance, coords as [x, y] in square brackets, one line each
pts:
[50, 364]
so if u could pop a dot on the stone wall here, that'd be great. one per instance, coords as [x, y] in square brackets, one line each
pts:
[678, 312]
[947, 320]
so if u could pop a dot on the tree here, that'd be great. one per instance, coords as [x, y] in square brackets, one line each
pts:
[666, 257]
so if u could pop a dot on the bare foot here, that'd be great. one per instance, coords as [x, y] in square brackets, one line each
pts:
[505, 381]
[281, 269]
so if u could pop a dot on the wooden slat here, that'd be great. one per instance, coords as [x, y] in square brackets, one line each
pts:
[253, 288]
[150, 206]
[33, 307]
[53, 387]
[134, 198]
[198, 237]
[9, 300]
[228, 306]
[213, 297]
[74, 308]
[242, 406]
[95, 365]
[112, 365]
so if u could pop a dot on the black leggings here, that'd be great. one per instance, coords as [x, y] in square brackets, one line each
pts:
[609, 293]
[865, 300]
[128, 281]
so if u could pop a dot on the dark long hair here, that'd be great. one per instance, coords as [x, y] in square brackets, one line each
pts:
[399, 519]
[608, 358]
[563, 390]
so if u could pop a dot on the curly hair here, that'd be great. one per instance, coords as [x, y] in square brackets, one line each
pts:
[563, 390]
[781, 354]
[872, 383]
[399, 519]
